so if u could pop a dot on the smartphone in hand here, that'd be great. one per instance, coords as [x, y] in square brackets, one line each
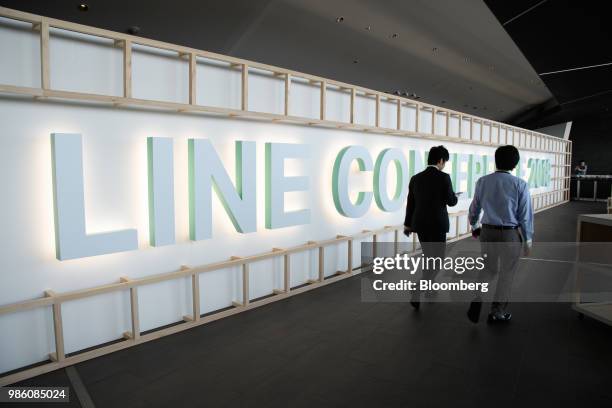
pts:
[407, 231]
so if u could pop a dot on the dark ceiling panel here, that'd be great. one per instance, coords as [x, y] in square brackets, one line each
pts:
[562, 35]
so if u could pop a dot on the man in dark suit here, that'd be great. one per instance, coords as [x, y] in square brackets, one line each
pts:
[429, 192]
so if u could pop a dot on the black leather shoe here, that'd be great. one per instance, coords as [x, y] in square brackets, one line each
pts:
[499, 317]
[473, 312]
[416, 304]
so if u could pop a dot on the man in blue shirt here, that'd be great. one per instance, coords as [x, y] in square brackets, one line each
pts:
[505, 227]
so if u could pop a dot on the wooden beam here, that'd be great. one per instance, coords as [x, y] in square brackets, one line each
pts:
[398, 121]
[287, 273]
[195, 295]
[135, 334]
[245, 87]
[287, 94]
[457, 226]
[352, 116]
[377, 113]
[447, 124]
[433, 121]
[245, 284]
[350, 255]
[58, 328]
[321, 264]
[45, 75]
[471, 128]
[193, 70]
[323, 97]
[127, 69]
[374, 245]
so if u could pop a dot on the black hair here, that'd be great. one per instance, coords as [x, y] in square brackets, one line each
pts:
[582, 161]
[436, 154]
[506, 157]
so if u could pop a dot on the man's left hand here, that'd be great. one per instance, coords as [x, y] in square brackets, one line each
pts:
[527, 248]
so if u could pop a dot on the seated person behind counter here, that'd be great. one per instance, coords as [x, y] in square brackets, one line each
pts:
[581, 168]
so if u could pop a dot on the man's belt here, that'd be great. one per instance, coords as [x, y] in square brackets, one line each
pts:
[500, 227]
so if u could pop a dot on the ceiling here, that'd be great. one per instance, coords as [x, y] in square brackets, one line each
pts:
[446, 52]
[556, 35]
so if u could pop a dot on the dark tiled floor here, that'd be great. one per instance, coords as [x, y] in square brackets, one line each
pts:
[326, 348]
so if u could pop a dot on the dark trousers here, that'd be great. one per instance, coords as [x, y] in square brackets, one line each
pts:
[433, 244]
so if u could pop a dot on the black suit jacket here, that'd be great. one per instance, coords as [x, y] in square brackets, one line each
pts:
[429, 192]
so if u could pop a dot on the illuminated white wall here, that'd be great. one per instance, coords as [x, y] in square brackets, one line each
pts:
[116, 188]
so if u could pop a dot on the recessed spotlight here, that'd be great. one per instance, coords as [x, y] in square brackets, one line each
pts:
[339, 19]
[394, 35]
[442, 102]
[368, 28]
[355, 61]
[434, 49]
[83, 7]
[133, 30]
[475, 107]
[466, 59]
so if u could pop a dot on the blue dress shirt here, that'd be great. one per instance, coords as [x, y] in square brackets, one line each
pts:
[505, 200]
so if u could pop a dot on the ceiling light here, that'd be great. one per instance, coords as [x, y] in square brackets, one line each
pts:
[339, 19]
[133, 30]
[355, 61]
[368, 28]
[395, 35]
[83, 7]
[434, 49]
